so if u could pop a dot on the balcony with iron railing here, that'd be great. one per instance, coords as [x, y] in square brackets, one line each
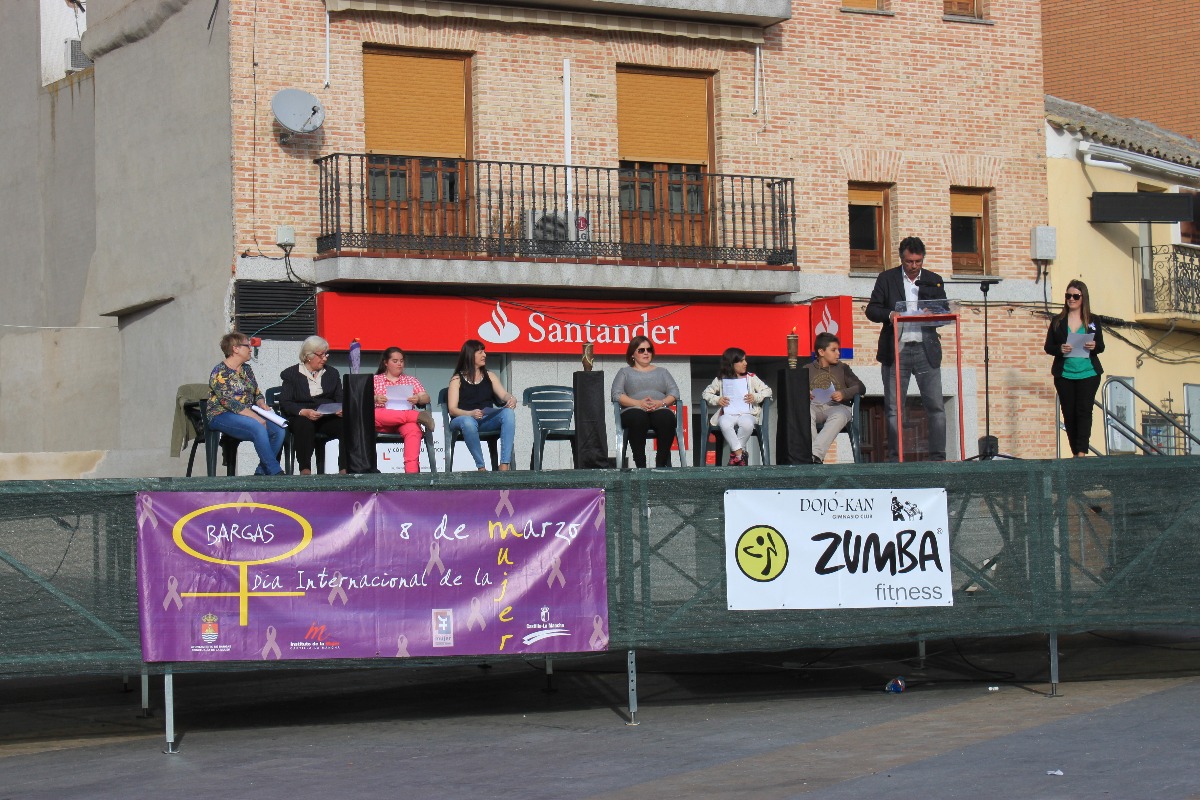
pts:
[673, 214]
[1169, 278]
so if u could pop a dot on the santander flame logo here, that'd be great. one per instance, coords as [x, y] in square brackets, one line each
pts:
[827, 324]
[499, 330]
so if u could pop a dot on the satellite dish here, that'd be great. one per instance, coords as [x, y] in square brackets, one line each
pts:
[297, 111]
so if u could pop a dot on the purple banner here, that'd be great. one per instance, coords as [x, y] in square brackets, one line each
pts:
[290, 575]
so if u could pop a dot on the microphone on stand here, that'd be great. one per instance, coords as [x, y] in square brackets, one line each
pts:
[931, 282]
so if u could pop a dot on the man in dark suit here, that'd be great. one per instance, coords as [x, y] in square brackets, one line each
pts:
[920, 347]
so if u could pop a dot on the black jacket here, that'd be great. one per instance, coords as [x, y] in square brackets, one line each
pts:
[294, 396]
[888, 291]
[1056, 337]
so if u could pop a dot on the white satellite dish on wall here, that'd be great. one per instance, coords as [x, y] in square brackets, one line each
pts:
[297, 111]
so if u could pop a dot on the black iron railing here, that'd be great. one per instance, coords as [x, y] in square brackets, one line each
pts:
[486, 209]
[1170, 278]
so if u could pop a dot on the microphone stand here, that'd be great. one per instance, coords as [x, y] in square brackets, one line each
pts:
[989, 446]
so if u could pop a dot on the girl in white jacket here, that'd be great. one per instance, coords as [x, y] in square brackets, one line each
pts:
[736, 427]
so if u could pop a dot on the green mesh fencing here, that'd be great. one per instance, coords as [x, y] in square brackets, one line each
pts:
[1037, 546]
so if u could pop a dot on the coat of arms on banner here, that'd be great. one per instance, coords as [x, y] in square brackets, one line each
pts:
[837, 548]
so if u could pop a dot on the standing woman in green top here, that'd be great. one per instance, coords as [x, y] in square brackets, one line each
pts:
[1076, 379]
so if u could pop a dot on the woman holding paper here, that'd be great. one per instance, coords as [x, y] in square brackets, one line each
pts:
[1075, 340]
[396, 396]
[478, 402]
[738, 397]
[310, 397]
[646, 393]
[235, 404]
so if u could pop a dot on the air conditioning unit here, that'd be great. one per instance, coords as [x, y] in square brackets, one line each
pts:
[551, 232]
[75, 60]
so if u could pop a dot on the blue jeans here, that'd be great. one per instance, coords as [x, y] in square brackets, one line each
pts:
[494, 419]
[268, 439]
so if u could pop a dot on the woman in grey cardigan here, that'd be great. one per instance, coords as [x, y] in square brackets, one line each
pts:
[646, 394]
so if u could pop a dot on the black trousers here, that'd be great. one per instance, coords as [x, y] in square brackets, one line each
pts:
[637, 423]
[1076, 398]
[304, 437]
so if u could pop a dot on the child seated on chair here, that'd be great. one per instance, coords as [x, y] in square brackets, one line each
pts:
[830, 411]
[737, 423]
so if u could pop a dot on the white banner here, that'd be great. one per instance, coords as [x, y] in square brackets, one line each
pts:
[837, 548]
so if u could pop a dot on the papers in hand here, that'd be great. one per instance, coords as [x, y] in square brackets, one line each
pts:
[397, 398]
[823, 397]
[736, 389]
[329, 408]
[270, 415]
[1077, 341]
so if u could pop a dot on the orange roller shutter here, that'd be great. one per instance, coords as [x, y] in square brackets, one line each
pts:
[964, 204]
[415, 105]
[662, 118]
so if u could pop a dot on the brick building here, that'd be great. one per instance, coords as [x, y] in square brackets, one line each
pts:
[1125, 57]
[710, 150]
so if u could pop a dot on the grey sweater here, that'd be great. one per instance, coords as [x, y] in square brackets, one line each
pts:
[656, 384]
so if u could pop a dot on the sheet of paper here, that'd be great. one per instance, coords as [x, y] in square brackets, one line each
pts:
[1077, 341]
[329, 408]
[823, 396]
[735, 389]
[397, 398]
[271, 415]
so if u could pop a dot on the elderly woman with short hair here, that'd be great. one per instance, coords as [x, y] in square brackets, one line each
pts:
[232, 395]
[306, 387]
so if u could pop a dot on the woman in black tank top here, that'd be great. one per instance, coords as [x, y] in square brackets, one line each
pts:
[478, 403]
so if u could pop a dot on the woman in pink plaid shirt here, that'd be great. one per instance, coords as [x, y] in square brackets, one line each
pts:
[409, 421]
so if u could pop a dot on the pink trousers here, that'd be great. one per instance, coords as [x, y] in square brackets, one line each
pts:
[389, 420]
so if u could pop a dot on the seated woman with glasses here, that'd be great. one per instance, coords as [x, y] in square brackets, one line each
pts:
[305, 388]
[232, 395]
[477, 403]
[646, 393]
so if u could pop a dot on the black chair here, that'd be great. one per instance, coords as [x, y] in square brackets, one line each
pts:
[289, 442]
[451, 436]
[623, 440]
[426, 437]
[213, 441]
[552, 408]
[762, 432]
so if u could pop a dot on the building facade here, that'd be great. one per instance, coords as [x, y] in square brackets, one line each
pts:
[1114, 185]
[757, 154]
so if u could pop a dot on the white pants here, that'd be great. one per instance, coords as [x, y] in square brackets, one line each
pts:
[831, 419]
[737, 430]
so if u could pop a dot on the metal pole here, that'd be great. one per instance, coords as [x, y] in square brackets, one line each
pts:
[146, 713]
[549, 674]
[631, 671]
[1054, 664]
[169, 706]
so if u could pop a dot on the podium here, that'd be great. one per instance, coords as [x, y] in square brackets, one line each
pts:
[925, 320]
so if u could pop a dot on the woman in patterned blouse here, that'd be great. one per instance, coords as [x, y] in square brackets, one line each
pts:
[406, 422]
[232, 395]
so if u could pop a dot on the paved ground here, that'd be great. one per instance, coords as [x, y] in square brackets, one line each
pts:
[813, 724]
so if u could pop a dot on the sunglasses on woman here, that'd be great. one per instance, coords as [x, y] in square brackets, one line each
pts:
[1074, 296]
[645, 350]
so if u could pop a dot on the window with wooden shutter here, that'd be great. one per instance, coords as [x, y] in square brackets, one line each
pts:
[868, 225]
[969, 230]
[963, 8]
[865, 5]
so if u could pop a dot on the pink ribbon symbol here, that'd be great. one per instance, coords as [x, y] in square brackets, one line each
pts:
[146, 512]
[337, 590]
[598, 640]
[556, 573]
[435, 557]
[504, 503]
[270, 646]
[402, 646]
[600, 517]
[244, 497]
[360, 518]
[476, 615]
[172, 594]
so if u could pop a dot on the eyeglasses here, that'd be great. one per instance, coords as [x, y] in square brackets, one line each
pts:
[644, 350]
[243, 344]
[319, 355]
[1074, 296]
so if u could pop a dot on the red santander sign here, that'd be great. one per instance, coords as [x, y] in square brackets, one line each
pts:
[554, 327]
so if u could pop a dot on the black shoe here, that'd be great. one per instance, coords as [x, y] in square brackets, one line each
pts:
[816, 460]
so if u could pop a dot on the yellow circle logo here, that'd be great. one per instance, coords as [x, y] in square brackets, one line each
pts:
[762, 553]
